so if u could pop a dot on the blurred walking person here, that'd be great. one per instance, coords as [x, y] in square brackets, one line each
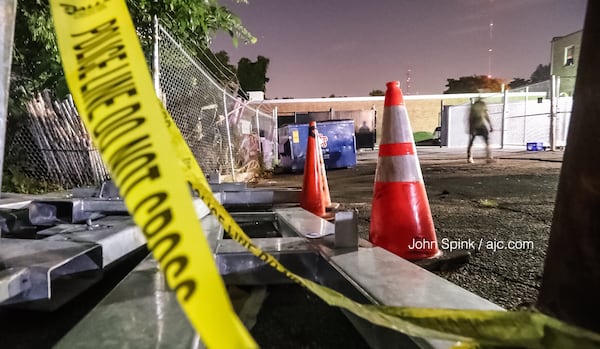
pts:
[479, 125]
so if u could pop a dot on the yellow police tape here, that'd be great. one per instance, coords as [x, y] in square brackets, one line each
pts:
[151, 163]
[469, 328]
[109, 80]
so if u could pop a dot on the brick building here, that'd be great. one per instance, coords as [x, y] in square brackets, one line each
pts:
[565, 59]
[423, 110]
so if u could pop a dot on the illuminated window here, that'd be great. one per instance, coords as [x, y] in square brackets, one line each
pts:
[569, 53]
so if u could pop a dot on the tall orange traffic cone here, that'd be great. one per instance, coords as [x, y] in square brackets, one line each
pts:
[400, 218]
[311, 199]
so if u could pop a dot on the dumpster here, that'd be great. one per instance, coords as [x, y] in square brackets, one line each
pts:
[337, 142]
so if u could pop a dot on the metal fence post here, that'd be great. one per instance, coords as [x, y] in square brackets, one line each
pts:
[441, 112]
[504, 111]
[155, 59]
[556, 110]
[275, 137]
[228, 135]
[257, 122]
[260, 147]
[553, 113]
[525, 116]
[8, 9]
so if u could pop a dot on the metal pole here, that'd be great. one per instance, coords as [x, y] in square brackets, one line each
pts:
[8, 9]
[552, 113]
[257, 124]
[276, 137]
[557, 112]
[228, 135]
[156, 60]
[441, 112]
[504, 111]
[260, 144]
[525, 116]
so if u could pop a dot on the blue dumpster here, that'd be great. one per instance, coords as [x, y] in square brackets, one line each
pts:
[336, 139]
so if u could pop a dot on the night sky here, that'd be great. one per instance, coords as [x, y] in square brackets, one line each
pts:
[351, 47]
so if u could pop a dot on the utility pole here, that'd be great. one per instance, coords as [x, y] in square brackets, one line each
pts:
[571, 281]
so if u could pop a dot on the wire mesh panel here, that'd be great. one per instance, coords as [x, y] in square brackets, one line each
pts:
[455, 125]
[50, 145]
[527, 117]
[223, 132]
[53, 146]
[564, 107]
[524, 118]
[563, 118]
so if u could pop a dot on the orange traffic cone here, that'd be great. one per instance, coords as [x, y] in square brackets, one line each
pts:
[311, 199]
[325, 195]
[400, 218]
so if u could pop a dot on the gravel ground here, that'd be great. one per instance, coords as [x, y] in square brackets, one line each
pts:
[485, 206]
[510, 200]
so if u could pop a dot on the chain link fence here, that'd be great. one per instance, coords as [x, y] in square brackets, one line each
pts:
[225, 134]
[531, 118]
[529, 114]
[50, 149]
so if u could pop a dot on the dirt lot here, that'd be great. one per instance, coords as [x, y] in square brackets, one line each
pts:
[502, 210]
[510, 200]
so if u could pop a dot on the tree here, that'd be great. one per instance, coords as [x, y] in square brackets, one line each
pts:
[192, 24]
[36, 63]
[219, 66]
[253, 75]
[518, 82]
[541, 73]
[474, 84]
[377, 93]
[223, 59]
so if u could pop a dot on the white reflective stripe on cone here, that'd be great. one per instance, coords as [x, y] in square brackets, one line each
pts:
[397, 127]
[403, 168]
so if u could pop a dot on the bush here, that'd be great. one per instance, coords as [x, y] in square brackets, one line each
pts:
[422, 136]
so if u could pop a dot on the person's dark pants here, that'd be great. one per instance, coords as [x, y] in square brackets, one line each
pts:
[483, 132]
